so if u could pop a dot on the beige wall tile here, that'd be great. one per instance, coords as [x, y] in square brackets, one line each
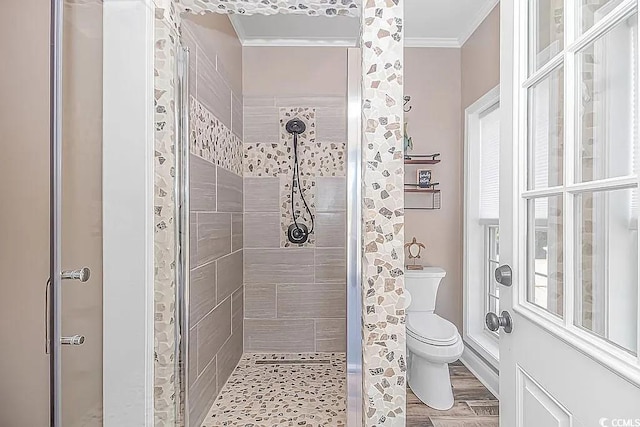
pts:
[260, 301]
[311, 300]
[279, 335]
[202, 185]
[279, 265]
[331, 194]
[217, 38]
[331, 335]
[212, 90]
[214, 236]
[331, 230]
[261, 123]
[228, 357]
[330, 265]
[203, 393]
[213, 331]
[230, 270]
[193, 355]
[193, 239]
[229, 191]
[331, 122]
[237, 116]
[262, 230]
[202, 291]
[237, 231]
[262, 195]
[237, 310]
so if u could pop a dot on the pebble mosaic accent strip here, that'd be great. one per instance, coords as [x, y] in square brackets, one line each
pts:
[164, 239]
[264, 160]
[282, 390]
[271, 7]
[212, 140]
[384, 351]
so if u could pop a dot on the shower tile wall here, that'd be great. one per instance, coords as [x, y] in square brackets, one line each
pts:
[295, 295]
[216, 217]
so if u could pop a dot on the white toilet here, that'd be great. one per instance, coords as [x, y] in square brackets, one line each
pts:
[432, 341]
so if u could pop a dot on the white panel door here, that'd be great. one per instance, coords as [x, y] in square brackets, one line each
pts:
[569, 214]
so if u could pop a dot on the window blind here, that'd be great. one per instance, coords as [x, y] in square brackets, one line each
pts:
[490, 164]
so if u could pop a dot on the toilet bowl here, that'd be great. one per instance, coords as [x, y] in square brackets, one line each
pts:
[432, 342]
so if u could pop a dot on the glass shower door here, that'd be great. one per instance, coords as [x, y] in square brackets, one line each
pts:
[75, 294]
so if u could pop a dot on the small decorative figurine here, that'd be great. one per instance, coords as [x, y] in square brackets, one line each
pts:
[413, 249]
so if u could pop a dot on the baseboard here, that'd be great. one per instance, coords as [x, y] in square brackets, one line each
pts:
[482, 370]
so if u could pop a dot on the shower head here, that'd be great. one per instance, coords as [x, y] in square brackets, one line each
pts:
[296, 126]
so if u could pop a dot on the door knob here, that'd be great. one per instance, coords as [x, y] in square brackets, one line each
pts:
[74, 340]
[504, 275]
[81, 274]
[495, 322]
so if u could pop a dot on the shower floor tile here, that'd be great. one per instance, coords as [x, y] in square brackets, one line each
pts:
[267, 390]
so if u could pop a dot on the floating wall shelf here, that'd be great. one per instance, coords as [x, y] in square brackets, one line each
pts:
[421, 190]
[421, 161]
[432, 197]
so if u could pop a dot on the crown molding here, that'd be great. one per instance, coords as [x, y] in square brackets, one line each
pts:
[482, 14]
[299, 42]
[431, 42]
[237, 26]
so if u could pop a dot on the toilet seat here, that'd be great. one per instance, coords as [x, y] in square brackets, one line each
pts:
[429, 328]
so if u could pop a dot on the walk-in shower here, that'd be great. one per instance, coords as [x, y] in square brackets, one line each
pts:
[264, 204]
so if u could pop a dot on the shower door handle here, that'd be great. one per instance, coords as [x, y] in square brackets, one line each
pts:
[82, 274]
[74, 340]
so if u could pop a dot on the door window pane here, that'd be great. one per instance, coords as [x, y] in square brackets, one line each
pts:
[545, 254]
[546, 29]
[607, 96]
[606, 291]
[546, 142]
[592, 11]
[492, 287]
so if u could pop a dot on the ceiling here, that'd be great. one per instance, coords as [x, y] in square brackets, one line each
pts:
[428, 23]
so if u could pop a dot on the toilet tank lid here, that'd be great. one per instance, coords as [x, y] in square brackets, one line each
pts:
[427, 272]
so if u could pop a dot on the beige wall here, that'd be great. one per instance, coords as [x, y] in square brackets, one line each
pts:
[442, 83]
[481, 60]
[216, 202]
[295, 71]
[433, 80]
[24, 218]
[295, 297]
[217, 37]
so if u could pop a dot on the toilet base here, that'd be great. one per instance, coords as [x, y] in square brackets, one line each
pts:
[431, 382]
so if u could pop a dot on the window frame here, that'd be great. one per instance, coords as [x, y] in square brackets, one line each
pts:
[475, 235]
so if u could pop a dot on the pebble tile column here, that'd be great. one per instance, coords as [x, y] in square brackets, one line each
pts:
[384, 352]
[164, 366]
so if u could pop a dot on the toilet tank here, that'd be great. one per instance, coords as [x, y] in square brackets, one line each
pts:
[423, 285]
